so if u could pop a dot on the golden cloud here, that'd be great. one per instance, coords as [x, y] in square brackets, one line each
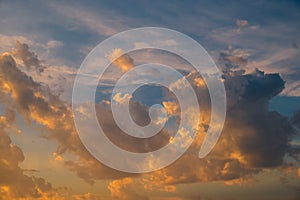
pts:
[124, 62]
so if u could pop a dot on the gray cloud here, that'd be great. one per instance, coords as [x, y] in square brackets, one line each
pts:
[29, 59]
[253, 138]
[14, 184]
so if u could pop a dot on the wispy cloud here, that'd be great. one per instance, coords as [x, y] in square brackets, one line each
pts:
[100, 22]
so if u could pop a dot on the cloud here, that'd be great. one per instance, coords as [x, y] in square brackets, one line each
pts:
[171, 107]
[122, 99]
[183, 138]
[270, 60]
[123, 189]
[87, 196]
[124, 62]
[36, 104]
[241, 23]
[29, 59]
[253, 138]
[54, 44]
[231, 59]
[139, 113]
[232, 163]
[292, 89]
[14, 184]
[83, 18]
[296, 119]
[199, 82]
[10, 41]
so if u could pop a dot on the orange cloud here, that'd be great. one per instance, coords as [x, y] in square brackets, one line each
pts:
[123, 189]
[14, 184]
[253, 138]
[199, 82]
[171, 107]
[87, 196]
[124, 62]
[121, 99]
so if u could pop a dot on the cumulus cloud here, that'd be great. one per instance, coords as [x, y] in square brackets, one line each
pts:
[139, 113]
[29, 59]
[124, 62]
[121, 99]
[253, 138]
[199, 82]
[36, 104]
[172, 108]
[14, 184]
[263, 136]
[123, 189]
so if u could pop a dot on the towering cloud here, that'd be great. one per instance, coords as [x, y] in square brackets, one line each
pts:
[253, 138]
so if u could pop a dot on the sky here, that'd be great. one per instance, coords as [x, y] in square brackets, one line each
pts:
[256, 47]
